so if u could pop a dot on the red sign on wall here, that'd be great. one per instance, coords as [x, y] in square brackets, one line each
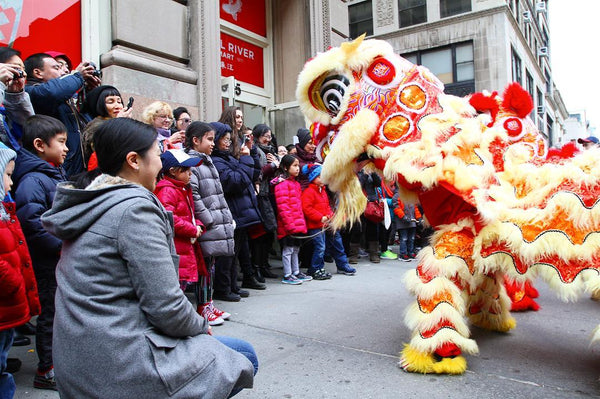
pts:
[247, 14]
[34, 26]
[242, 60]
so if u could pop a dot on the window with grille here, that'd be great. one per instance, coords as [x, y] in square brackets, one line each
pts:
[449, 8]
[360, 18]
[412, 12]
[453, 65]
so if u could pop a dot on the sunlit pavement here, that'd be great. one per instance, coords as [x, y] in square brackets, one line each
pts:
[340, 338]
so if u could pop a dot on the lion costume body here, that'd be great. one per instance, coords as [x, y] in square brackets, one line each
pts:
[505, 210]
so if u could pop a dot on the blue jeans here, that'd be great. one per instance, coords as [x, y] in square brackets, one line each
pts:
[407, 241]
[242, 347]
[333, 243]
[7, 382]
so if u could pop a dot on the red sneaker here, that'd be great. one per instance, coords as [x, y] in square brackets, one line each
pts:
[206, 312]
[219, 312]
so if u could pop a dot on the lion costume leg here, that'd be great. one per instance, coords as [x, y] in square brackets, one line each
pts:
[441, 283]
[489, 306]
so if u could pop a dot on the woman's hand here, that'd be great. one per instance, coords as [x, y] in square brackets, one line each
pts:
[245, 150]
[198, 231]
[177, 137]
[273, 159]
[125, 113]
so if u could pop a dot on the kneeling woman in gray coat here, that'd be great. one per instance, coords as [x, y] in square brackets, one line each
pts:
[123, 327]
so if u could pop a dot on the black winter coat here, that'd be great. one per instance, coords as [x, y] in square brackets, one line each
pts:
[34, 187]
[237, 178]
[52, 98]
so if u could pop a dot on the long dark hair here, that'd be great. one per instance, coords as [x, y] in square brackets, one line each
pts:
[119, 136]
[196, 129]
[284, 165]
[228, 118]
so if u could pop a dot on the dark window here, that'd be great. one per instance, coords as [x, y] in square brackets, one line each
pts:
[548, 81]
[360, 17]
[453, 65]
[412, 12]
[550, 129]
[516, 67]
[449, 8]
[540, 110]
[530, 88]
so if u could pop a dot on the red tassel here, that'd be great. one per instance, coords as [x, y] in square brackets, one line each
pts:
[518, 100]
[483, 103]
[448, 350]
[567, 151]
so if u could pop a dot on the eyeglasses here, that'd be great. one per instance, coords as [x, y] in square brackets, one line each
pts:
[184, 120]
[163, 117]
[226, 141]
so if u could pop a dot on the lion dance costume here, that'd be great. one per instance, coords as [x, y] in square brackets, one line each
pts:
[504, 207]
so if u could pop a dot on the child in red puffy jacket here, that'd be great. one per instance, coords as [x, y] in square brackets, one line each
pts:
[175, 193]
[315, 204]
[19, 301]
[290, 219]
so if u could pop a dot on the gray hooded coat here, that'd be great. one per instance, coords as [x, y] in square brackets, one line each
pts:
[210, 207]
[123, 327]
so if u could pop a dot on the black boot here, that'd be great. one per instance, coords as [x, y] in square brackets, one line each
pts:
[252, 283]
[20, 340]
[266, 272]
[257, 273]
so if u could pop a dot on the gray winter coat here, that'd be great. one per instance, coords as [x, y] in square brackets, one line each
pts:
[408, 221]
[123, 328]
[211, 208]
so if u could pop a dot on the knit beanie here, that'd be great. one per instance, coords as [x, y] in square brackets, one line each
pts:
[303, 137]
[221, 130]
[91, 105]
[312, 170]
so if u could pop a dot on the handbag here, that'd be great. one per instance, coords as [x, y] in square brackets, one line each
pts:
[374, 211]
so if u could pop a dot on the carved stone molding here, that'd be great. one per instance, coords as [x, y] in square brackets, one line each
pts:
[384, 10]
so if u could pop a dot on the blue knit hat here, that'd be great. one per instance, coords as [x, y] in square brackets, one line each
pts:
[221, 130]
[312, 170]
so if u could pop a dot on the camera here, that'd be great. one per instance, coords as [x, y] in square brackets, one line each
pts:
[96, 71]
[18, 75]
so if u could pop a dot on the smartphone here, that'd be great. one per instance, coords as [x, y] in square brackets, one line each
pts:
[130, 103]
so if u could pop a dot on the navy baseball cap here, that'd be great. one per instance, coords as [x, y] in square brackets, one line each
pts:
[590, 139]
[178, 158]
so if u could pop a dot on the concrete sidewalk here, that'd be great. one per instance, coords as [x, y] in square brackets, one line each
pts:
[340, 338]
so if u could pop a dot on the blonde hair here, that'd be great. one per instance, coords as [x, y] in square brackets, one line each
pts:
[152, 110]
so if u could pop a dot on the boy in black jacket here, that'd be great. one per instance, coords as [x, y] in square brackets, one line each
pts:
[36, 175]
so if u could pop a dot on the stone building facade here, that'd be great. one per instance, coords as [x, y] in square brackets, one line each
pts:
[473, 45]
[195, 54]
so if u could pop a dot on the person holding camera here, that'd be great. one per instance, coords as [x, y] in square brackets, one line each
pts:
[52, 92]
[17, 105]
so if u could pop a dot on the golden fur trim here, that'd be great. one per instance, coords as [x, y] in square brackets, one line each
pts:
[414, 361]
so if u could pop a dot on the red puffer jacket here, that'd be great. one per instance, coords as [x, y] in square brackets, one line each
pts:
[290, 219]
[315, 205]
[18, 290]
[177, 197]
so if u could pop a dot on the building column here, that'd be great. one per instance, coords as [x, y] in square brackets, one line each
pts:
[205, 56]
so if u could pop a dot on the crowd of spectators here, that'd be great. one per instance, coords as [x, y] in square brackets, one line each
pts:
[237, 197]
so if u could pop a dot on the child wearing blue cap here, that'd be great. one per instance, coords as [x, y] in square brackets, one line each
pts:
[175, 193]
[317, 212]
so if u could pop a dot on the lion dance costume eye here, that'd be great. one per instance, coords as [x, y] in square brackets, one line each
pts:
[505, 208]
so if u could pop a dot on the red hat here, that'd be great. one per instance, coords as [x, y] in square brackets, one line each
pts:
[55, 54]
